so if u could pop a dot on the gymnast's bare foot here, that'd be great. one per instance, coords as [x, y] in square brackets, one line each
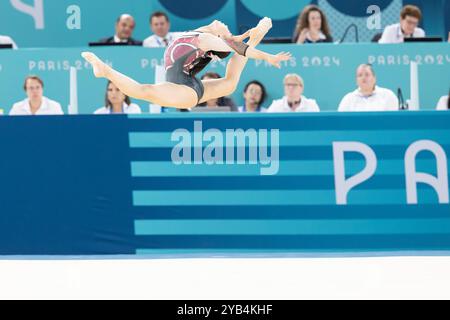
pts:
[100, 68]
[258, 33]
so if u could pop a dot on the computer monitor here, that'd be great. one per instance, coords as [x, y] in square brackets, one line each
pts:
[113, 44]
[424, 39]
[282, 40]
[211, 109]
[6, 46]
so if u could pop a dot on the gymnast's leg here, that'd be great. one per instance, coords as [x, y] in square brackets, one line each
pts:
[217, 88]
[163, 94]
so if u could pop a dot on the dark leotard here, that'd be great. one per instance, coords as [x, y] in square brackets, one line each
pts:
[184, 60]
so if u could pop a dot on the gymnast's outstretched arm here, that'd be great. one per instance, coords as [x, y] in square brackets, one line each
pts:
[210, 42]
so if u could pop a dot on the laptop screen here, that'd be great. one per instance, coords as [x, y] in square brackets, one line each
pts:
[211, 109]
[282, 40]
[424, 39]
[118, 44]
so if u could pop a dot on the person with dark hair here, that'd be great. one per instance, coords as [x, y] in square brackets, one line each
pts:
[160, 26]
[186, 57]
[217, 102]
[36, 103]
[117, 103]
[444, 103]
[254, 96]
[410, 17]
[369, 96]
[312, 26]
[125, 25]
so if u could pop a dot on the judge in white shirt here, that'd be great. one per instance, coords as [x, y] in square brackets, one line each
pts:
[407, 28]
[444, 103]
[117, 103]
[36, 103]
[294, 100]
[8, 40]
[160, 26]
[368, 96]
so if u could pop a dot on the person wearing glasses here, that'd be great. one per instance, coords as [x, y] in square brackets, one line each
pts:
[35, 103]
[410, 17]
[293, 100]
[254, 96]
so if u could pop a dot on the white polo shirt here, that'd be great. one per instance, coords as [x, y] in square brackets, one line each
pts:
[381, 100]
[8, 40]
[127, 109]
[157, 42]
[281, 105]
[394, 34]
[443, 103]
[48, 107]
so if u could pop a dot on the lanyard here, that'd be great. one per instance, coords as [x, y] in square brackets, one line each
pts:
[161, 43]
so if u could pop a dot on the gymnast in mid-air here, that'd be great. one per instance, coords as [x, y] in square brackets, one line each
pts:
[186, 57]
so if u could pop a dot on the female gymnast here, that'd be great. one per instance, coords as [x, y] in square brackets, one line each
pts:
[186, 57]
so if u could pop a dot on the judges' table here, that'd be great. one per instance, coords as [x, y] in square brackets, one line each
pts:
[329, 71]
[225, 184]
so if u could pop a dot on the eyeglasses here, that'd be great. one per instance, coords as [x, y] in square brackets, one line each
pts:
[411, 22]
[292, 85]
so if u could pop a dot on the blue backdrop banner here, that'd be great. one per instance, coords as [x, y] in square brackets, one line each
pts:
[208, 185]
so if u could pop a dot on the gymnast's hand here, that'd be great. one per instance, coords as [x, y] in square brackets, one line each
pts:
[275, 60]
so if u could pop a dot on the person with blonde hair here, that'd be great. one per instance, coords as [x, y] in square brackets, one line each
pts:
[293, 100]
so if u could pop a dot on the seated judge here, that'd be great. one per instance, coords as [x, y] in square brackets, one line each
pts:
[125, 26]
[293, 100]
[368, 96]
[117, 103]
[160, 26]
[408, 27]
[35, 103]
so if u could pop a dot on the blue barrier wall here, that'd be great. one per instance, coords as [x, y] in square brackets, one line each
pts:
[108, 185]
[46, 25]
[328, 71]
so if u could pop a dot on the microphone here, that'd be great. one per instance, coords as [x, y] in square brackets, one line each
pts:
[352, 25]
[401, 101]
